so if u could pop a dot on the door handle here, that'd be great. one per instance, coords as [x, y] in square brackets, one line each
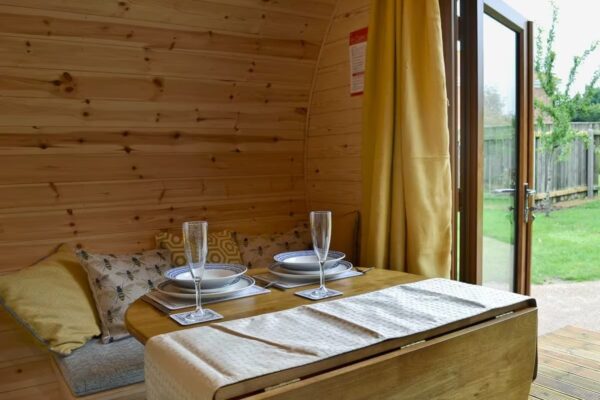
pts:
[529, 198]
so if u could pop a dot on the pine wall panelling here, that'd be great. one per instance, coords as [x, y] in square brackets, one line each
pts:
[122, 118]
[333, 167]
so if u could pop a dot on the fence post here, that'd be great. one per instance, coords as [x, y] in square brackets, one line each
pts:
[590, 164]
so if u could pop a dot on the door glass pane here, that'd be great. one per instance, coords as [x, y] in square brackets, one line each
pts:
[500, 146]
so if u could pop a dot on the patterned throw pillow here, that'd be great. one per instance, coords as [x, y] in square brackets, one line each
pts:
[258, 250]
[118, 280]
[222, 247]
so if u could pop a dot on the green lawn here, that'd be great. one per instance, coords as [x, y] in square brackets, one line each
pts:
[566, 245]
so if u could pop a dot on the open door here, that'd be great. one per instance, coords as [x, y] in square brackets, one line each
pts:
[495, 145]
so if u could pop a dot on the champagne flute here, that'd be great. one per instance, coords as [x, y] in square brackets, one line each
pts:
[194, 242]
[320, 226]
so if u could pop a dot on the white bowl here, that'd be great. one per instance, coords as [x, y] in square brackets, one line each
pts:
[306, 260]
[215, 275]
[306, 276]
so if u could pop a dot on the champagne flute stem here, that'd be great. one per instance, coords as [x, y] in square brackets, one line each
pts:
[198, 297]
[322, 276]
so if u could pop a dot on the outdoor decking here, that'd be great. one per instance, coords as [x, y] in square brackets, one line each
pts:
[569, 366]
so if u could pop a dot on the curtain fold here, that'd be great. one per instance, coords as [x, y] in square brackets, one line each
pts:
[407, 200]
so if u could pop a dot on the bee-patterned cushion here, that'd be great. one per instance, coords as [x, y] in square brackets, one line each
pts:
[118, 280]
[258, 250]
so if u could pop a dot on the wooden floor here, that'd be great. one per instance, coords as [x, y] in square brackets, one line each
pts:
[569, 365]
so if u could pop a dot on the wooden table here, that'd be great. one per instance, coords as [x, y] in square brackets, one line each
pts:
[144, 321]
[489, 356]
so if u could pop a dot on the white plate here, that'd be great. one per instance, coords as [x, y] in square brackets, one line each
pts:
[171, 289]
[295, 276]
[306, 260]
[215, 275]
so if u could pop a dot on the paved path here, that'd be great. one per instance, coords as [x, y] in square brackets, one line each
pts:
[562, 304]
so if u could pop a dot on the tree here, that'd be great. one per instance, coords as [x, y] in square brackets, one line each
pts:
[560, 107]
[494, 108]
[588, 109]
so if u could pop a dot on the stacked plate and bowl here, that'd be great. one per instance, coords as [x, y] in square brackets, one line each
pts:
[219, 280]
[303, 266]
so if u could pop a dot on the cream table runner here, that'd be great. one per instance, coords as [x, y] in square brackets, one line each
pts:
[195, 363]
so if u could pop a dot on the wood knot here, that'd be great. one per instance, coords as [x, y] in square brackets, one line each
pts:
[137, 218]
[127, 149]
[157, 82]
[87, 101]
[67, 76]
[171, 220]
[69, 211]
[129, 35]
[301, 110]
[43, 146]
[125, 133]
[85, 114]
[213, 159]
[133, 168]
[268, 85]
[71, 224]
[69, 89]
[176, 135]
[56, 82]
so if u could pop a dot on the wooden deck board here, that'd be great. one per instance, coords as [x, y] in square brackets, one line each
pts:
[569, 366]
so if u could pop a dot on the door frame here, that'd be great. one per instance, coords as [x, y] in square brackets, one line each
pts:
[471, 136]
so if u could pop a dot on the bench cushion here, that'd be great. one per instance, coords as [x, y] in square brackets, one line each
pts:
[97, 367]
[258, 250]
[118, 280]
[222, 247]
[52, 299]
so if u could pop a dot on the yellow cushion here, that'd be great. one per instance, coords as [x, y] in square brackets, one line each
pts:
[52, 298]
[222, 247]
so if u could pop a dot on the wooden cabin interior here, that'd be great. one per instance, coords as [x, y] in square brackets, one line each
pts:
[120, 120]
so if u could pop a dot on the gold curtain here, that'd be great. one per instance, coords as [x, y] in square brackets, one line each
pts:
[407, 201]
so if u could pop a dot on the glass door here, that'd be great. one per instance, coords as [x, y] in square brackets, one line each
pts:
[496, 131]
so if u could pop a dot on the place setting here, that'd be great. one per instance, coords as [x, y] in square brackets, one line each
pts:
[199, 282]
[295, 269]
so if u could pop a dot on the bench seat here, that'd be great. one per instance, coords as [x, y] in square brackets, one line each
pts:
[98, 367]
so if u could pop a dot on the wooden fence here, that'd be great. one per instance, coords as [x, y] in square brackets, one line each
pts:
[574, 174]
